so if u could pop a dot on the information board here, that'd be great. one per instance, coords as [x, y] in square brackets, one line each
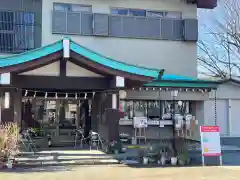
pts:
[210, 141]
[140, 122]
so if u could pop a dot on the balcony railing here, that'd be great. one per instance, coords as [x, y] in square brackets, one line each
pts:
[95, 24]
[18, 31]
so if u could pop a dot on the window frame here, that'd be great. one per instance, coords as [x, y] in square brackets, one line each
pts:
[153, 11]
[69, 7]
[128, 11]
[147, 11]
[165, 13]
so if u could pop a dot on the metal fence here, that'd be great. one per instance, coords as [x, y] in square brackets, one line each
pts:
[78, 23]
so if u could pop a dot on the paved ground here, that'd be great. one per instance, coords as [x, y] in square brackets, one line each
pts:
[125, 173]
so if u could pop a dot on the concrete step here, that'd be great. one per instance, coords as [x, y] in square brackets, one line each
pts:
[67, 163]
[64, 157]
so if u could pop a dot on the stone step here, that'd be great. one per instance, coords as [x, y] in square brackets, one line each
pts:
[78, 152]
[61, 158]
[67, 163]
[64, 157]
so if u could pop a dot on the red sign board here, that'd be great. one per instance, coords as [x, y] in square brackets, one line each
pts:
[209, 129]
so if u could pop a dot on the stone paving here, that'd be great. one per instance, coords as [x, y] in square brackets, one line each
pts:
[124, 173]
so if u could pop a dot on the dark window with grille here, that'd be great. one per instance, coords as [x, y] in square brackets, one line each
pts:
[6, 21]
[17, 30]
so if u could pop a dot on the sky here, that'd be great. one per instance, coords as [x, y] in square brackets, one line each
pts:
[208, 23]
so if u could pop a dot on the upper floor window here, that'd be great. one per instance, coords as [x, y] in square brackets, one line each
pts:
[128, 12]
[155, 14]
[175, 15]
[148, 13]
[72, 7]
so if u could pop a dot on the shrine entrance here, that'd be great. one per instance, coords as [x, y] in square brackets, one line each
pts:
[63, 86]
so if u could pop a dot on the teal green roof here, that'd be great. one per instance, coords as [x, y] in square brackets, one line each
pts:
[181, 85]
[30, 55]
[91, 55]
[173, 77]
[182, 82]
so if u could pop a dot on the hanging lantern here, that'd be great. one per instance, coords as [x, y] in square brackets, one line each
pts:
[122, 94]
[6, 100]
[26, 92]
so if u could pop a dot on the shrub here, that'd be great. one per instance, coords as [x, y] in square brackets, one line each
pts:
[9, 140]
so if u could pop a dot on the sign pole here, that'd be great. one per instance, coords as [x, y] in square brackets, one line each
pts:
[221, 161]
[201, 135]
[203, 162]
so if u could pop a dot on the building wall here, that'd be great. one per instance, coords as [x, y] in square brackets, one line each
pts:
[177, 57]
[227, 109]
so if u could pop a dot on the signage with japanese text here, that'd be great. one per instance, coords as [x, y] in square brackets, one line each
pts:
[210, 140]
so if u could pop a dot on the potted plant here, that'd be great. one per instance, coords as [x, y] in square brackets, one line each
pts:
[174, 161]
[163, 159]
[151, 154]
[183, 158]
[116, 147]
[173, 157]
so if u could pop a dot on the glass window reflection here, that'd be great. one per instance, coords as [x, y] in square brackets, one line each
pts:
[153, 109]
[140, 108]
